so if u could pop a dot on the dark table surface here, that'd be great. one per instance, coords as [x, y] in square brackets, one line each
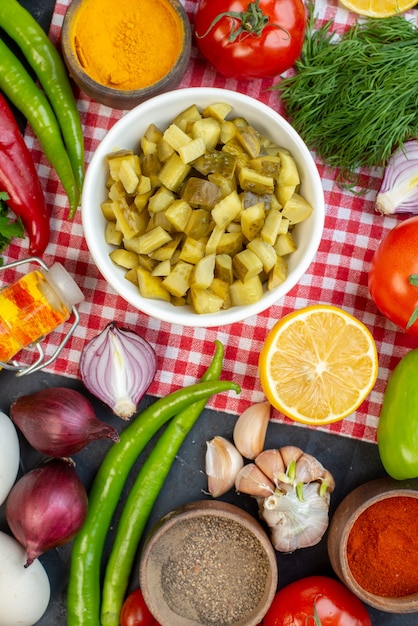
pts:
[351, 462]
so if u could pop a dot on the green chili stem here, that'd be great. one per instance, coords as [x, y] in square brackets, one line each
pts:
[50, 70]
[142, 497]
[19, 87]
[84, 582]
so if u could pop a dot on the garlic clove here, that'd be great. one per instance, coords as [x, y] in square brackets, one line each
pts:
[223, 462]
[309, 469]
[271, 464]
[250, 479]
[250, 429]
[289, 454]
[327, 482]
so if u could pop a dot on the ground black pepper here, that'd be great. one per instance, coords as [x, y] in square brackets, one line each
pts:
[214, 571]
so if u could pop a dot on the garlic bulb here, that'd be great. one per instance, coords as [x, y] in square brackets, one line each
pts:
[250, 429]
[223, 462]
[293, 490]
[296, 523]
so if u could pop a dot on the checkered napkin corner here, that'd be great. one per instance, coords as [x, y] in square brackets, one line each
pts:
[337, 275]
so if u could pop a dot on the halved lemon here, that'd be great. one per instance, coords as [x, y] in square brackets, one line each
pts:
[318, 364]
[378, 8]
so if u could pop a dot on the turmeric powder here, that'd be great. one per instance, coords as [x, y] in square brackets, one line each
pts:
[127, 44]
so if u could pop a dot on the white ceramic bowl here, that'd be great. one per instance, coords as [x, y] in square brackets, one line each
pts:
[161, 110]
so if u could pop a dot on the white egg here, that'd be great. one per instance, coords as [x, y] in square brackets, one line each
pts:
[24, 591]
[9, 455]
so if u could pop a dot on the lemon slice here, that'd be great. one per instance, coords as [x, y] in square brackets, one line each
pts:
[318, 364]
[378, 8]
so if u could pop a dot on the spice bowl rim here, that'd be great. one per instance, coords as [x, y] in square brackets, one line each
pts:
[119, 98]
[348, 511]
[199, 509]
[161, 110]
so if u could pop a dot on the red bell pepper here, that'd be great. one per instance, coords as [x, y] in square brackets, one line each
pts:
[18, 177]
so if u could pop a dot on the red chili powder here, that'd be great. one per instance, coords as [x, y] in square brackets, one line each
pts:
[382, 547]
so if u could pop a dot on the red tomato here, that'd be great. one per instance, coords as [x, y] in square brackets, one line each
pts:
[135, 612]
[335, 605]
[393, 263]
[250, 39]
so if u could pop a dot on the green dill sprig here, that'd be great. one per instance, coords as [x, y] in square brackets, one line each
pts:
[353, 98]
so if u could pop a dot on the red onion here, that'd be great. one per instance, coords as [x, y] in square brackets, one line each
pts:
[118, 366]
[399, 190]
[58, 421]
[46, 507]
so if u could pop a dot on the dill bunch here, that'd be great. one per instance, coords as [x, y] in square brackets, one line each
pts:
[354, 99]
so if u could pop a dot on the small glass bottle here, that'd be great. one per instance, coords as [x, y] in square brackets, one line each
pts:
[33, 306]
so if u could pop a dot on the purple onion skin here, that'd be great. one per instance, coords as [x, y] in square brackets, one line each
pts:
[46, 507]
[58, 421]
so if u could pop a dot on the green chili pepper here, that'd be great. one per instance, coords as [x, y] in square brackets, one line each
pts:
[83, 595]
[397, 430]
[50, 70]
[142, 497]
[19, 87]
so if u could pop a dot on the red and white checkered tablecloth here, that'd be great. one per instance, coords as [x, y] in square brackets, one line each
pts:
[338, 274]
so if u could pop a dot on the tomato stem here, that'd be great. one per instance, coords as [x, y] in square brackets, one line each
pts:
[413, 280]
[316, 616]
[313, 619]
[251, 22]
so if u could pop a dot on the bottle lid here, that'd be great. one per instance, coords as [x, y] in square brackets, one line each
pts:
[65, 284]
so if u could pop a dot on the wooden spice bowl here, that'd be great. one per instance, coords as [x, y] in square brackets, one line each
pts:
[371, 540]
[208, 562]
[122, 51]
